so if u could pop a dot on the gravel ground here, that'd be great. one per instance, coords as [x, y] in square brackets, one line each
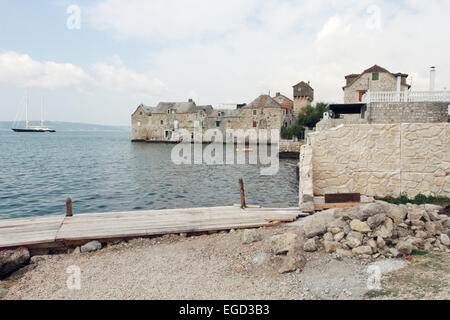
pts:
[214, 266]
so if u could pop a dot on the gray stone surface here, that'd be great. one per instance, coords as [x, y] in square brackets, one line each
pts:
[251, 235]
[317, 223]
[12, 260]
[91, 246]
[282, 243]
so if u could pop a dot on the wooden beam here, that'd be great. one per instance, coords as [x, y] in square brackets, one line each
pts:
[342, 197]
[334, 205]
[69, 207]
[241, 183]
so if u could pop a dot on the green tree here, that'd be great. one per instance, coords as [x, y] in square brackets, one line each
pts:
[307, 118]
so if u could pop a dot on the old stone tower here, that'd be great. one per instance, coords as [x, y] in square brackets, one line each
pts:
[303, 96]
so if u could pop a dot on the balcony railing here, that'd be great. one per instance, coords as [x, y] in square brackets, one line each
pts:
[407, 96]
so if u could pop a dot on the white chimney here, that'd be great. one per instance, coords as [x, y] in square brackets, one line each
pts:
[399, 83]
[432, 78]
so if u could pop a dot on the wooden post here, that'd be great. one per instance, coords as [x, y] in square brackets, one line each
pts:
[241, 182]
[69, 207]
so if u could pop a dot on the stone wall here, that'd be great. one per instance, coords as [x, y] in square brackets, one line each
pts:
[290, 146]
[386, 82]
[381, 159]
[166, 126]
[306, 185]
[329, 123]
[392, 112]
[397, 112]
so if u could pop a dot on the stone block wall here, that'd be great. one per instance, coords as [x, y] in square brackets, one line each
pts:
[290, 146]
[382, 159]
[306, 185]
[398, 112]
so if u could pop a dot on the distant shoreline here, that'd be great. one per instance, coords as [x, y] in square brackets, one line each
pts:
[67, 126]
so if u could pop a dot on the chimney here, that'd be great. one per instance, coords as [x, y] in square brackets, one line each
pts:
[277, 94]
[432, 78]
[190, 100]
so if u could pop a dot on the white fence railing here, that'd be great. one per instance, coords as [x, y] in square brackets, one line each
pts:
[407, 96]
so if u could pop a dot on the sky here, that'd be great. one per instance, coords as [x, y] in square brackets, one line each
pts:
[96, 61]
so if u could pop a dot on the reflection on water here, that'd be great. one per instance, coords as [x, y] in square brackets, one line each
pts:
[105, 172]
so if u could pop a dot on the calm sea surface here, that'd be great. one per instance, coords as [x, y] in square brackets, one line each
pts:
[105, 172]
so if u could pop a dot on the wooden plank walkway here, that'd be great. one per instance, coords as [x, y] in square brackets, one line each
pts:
[108, 226]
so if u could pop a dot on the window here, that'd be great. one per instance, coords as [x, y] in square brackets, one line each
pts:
[254, 112]
[229, 123]
[168, 111]
[375, 76]
[217, 123]
[139, 123]
[254, 124]
[140, 113]
[162, 122]
[175, 124]
[201, 113]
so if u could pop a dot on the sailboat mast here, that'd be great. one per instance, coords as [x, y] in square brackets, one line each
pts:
[42, 111]
[26, 111]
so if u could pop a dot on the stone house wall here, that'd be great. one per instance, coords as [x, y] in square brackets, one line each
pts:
[154, 127]
[392, 112]
[300, 103]
[139, 125]
[150, 128]
[386, 82]
[381, 159]
[397, 112]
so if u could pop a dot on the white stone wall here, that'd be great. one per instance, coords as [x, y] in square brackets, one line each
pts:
[306, 185]
[382, 159]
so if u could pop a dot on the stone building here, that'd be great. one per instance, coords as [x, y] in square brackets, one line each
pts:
[164, 122]
[379, 97]
[375, 78]
[284, 101]
[303, 96]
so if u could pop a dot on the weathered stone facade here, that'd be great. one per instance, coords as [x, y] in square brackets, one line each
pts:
[398, 112]
[379, 160]
[391, 112]
[303, 96]
[374, 79]
[164, 123]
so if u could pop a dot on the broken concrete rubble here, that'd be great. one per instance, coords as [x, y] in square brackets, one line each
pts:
[378, 229]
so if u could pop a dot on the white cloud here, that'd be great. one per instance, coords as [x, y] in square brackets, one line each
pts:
[163, 20]
[21, 70]
[117, 77]
[233, 51]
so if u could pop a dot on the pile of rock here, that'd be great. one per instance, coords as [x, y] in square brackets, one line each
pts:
[285, 247]
[377, 229]
[12, 260]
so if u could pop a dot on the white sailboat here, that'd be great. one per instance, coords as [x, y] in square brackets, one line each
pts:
[29, 128]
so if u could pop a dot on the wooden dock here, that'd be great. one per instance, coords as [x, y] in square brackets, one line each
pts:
[62, 230]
